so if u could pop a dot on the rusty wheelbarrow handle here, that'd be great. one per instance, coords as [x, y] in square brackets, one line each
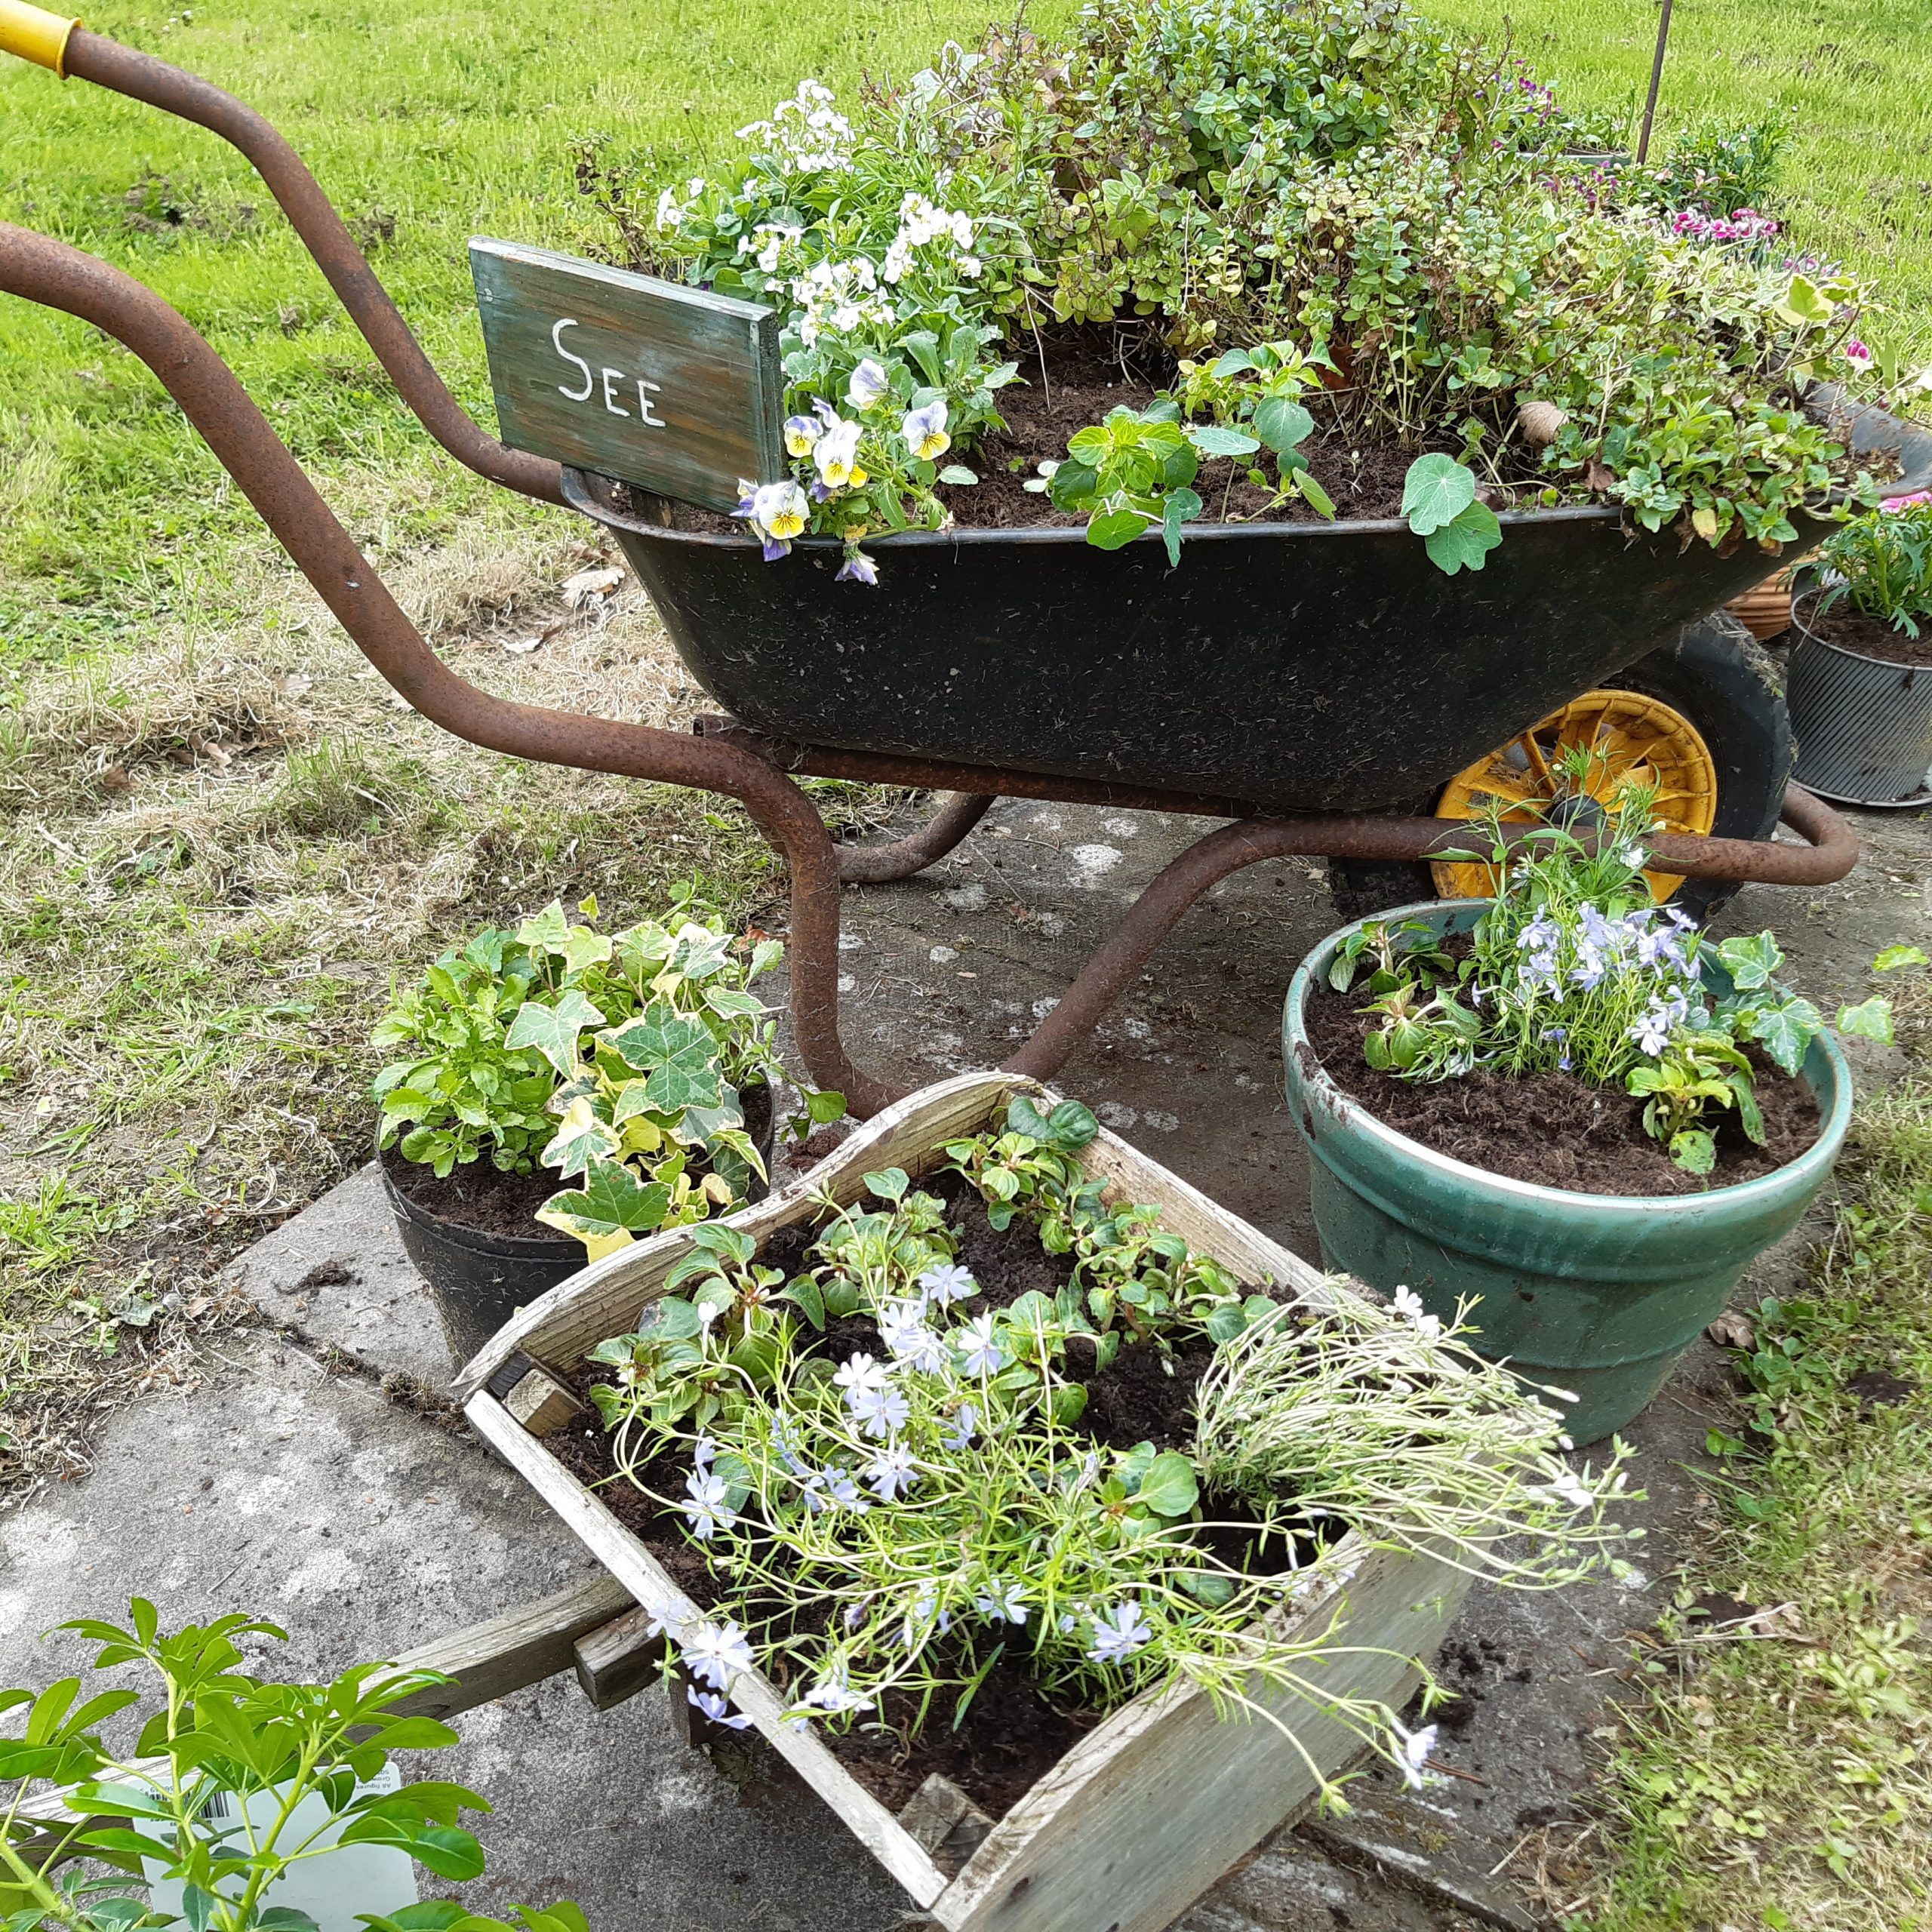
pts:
[52, 273]
[66, 48]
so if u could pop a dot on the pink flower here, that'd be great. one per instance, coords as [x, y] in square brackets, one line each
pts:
[1857, 352]
[1907, 502]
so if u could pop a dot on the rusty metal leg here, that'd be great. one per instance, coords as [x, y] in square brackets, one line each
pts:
[873, 865]
[50, 272]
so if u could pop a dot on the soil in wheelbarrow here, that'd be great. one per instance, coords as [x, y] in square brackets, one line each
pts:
[1069, 378]
[1552, 1128]
[1011, 1733]
[1871, 637]
[481, 1197]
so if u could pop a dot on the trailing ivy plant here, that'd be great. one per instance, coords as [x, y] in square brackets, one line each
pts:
[207, 1794]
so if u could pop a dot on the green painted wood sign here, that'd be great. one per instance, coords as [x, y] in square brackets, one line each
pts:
[672, 388]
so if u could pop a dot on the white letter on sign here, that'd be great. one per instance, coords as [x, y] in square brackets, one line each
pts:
[645, 389]
[609, 401]
[557, 338]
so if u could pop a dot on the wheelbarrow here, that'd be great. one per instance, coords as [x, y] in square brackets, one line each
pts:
[1321, 686]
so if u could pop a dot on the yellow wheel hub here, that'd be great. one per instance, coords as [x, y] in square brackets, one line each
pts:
[1632, 737]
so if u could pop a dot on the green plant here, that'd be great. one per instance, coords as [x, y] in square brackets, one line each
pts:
[1880, 564]
[209, 1794]
[1718, 168]
[894, 1525]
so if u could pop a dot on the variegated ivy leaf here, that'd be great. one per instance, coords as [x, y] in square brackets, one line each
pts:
[678, 1054]
[578, 946]
[612, 1206]
[554, 1030]
[580, 1139]
[1752, 960]
[703, 1123]
[765, 955]
[630, 1101]
[1785, 1033]
[728, 1005]
[1871, 1019]
[700, 952]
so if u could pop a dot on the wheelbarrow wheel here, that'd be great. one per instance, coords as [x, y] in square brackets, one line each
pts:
[1706, 714]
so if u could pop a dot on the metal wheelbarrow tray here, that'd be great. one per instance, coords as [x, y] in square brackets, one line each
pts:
[1312, 669]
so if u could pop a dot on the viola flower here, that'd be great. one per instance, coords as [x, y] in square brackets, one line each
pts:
[947, 1282]
[715, 1708]
[778, 512]
[925, 431]
[1416, 1746]
[870, 381]
[1003, 1602]
[979, 1354]
[891, 1473]
[713, 1652]
[800, 433]
[1117, 1633]
[857, 568]
[836, 454]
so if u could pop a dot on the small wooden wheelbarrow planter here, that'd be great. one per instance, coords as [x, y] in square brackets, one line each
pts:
[1150, 1808]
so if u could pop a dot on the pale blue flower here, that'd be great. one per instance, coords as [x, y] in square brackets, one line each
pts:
[891, 1473]
[1416, 1747]
[709, 1508]
[1005, 1602]
[715, 1708]
[1117, 1633]
[965, 1426]
[947, 1282]
[883, 1411]
[714, 1652]
[979, 1354]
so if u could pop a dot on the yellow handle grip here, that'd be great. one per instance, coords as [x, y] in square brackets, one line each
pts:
[35, 35]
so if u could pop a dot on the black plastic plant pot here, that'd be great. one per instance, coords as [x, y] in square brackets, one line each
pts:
[1293, 667]
[1863, 725]
[478, 1280]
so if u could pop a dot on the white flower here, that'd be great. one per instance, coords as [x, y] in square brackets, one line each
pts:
[891, 1473]
[1004, 1602]
[662, 1619]
[862, 1371]
[668, 212]
[834, 1696]
[947, 1282]
[868, 384]
[979, 1354]
[901, 1325]
[1416, 1747]
[1567, 1489]
[925, 431]
[714, 1651]
[1117, 1633]
[1407, 1303]
[709, 1509]
[883, 1411]
[708, 1312]
[715, 1708]
[1631, 855]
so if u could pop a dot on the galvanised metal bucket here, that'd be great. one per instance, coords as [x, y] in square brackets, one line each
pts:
[1863, 725]
[1594, 1293]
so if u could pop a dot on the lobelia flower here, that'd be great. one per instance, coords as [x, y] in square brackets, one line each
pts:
[1004, 1602]
[800, 433]
[868, 384]
[713, 1651]
[925, 431]
[891, 1473]
[1117, 1633]
[715, 1708]
[948, 1282]
[709, 1508]
[979, 1354]
[1416, 1745]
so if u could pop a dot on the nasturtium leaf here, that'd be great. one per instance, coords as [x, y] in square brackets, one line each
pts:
[1465, 541]
[554, 1030]
[1282, 424]
[1436, 490]
[1111, 529]
[1751, 961]
[612, 1201]
[1218, 439]
[580, 1138]
[1870, 1020]
[1893, 957]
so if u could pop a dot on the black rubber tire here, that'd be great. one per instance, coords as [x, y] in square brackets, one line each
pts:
[1720, 678]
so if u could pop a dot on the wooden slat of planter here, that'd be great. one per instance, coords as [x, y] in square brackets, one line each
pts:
[1148, 1811]
[634, 1566]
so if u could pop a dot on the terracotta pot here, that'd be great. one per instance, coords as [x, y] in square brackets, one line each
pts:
[1765, 610]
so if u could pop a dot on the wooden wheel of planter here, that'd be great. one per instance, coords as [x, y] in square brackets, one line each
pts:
[1633, 735]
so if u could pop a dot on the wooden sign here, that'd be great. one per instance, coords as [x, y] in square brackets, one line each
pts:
[672, 388]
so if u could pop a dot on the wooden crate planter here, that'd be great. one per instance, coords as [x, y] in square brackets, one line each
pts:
[1153, 1805]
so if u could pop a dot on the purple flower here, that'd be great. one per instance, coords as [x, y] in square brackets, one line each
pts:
[1117, 1633]
[857, 568]
[892, 1472]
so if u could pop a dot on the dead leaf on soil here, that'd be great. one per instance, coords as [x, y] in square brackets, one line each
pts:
[577, 591]
[1732, 1329]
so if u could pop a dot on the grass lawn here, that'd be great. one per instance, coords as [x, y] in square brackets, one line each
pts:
[218, 837]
